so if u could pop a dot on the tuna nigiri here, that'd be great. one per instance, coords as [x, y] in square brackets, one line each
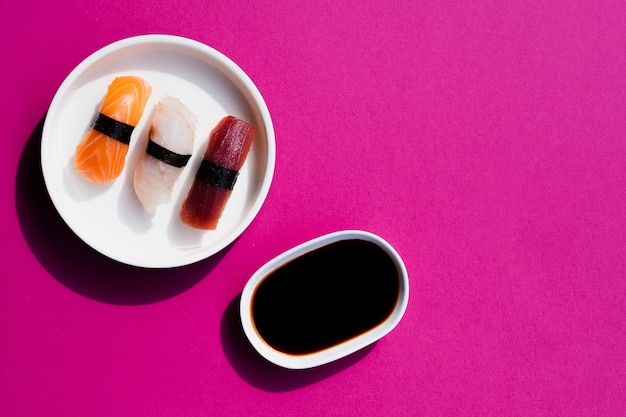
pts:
[170, 144]
[101, 155]
[226, 152]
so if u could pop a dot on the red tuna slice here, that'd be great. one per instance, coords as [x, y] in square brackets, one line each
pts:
[226, 152]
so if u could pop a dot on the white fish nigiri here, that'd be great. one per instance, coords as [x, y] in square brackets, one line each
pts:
[170, 145]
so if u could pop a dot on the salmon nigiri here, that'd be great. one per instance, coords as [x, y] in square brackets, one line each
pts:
[101, 155]
[228, 148]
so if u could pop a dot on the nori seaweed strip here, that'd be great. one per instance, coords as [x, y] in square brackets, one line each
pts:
[217, 175]
[165, 155]
[114, 129]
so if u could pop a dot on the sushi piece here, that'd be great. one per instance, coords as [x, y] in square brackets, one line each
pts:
[101, 155]
[226, 152]
[170, 144]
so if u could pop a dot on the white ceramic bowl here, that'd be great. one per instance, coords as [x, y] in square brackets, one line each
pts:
[336, 351]
[109, 217]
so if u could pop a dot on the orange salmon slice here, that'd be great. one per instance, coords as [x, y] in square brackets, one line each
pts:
[99, 156]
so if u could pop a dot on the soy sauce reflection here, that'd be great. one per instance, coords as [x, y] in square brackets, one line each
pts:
[326, 296]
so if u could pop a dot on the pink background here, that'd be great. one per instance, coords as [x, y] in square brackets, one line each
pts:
[484, 141]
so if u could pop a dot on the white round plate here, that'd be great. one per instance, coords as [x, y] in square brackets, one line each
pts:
[109, 217]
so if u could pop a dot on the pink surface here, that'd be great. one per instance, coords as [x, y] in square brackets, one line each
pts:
[484, 141]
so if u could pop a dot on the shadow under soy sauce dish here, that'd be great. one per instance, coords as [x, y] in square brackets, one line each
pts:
[324, 299]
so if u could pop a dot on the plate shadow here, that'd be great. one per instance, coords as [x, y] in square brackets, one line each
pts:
[262, 374]
[76, 265]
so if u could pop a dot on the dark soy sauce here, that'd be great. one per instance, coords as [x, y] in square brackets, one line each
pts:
[326, 297]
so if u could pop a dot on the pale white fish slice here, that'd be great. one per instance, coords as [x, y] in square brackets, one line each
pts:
[174, 128]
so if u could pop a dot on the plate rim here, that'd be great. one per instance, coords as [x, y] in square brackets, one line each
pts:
[223, 64]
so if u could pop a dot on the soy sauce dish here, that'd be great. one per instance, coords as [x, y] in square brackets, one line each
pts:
[324, 299]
